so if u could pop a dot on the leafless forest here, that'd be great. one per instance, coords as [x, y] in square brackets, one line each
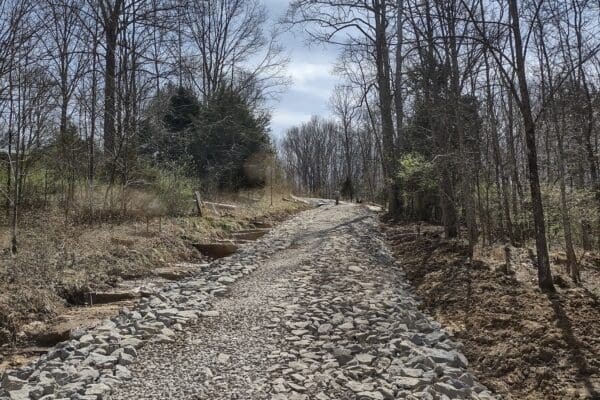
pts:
[98, 98]
[113, 115]
[135, 134]
[480, 115]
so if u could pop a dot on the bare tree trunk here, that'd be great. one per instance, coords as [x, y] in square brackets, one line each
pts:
[589, 148]
[447, 201]
[109, 92]
[543, 261]
[466, 159]
[500, 173]
[559, 129]
[385, 102]
[398, 99]
[93, 118]
[110, 15]
[572, 265]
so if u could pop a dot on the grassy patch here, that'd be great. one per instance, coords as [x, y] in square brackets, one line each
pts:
[61, 258]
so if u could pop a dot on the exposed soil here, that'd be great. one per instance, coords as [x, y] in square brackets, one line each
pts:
[521, 343]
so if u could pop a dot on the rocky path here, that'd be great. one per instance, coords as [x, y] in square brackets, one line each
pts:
[322, 313]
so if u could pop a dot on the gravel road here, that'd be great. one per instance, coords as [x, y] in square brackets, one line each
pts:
[327, 315]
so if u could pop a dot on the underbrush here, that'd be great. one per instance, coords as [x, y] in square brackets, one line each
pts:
[63, 257]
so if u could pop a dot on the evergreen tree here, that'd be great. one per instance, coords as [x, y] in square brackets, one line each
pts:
[228, 134]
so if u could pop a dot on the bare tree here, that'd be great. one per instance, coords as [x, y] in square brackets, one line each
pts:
[360, 23]
[231, 46]
[343, 107]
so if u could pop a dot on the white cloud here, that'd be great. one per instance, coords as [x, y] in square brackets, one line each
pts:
[311, 72]
[304, 72]
[289, 118]
[283, 119]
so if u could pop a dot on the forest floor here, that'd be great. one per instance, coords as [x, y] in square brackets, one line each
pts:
[45, 289]
[521, 343]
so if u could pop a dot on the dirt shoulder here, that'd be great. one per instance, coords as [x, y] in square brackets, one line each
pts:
[521, 343]
[61, 262]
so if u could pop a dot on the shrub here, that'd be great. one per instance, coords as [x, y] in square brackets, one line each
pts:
[417, 177]
[174, 190]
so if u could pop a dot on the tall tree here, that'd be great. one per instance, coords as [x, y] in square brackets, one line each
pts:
[360, 23]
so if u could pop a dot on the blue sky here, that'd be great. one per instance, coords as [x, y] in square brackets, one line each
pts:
[310, 69]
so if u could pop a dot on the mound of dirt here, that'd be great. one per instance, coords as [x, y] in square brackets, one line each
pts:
[521, 343]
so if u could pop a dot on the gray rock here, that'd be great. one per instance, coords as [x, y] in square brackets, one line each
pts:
[365, 358]
[12, 383]
[451, 391]
[122, 373]
[342, 355]
[324, 329]
[209, 314]
[223, 358]
[98, 389]
[21, 394]
[370, 395]
[407, 382]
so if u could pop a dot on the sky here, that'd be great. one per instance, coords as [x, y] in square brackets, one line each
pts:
[310, 70]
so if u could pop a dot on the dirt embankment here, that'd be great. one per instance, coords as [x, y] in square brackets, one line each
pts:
[521, 343]
[61, 262]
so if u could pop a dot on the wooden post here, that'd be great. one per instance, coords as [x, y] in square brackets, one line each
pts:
[271, 174]
[507, 258]
[586, 235]
[198, 202]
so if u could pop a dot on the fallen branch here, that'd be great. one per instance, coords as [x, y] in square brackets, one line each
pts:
[299, 200]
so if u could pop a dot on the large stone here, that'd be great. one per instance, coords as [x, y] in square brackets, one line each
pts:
[11, 383]
[223, 358]
[100, 361]
[132, 342]
[357, 387]
[98, 389]
[342, 355]
[337, 319]
[210, 314]
[21, 394]
[407, 382]
[88, 375]
[451, 391]
[324, 329]
[370, 395]
[122, 373]
[346, 326]
[365, 358]
[226, 280]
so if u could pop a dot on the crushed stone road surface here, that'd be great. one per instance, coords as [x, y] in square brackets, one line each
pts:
[328, 316]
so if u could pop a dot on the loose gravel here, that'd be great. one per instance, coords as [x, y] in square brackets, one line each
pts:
[322, 312]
